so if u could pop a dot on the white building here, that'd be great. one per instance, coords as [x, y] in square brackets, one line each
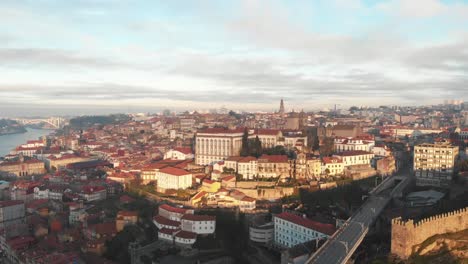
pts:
[199, 224]
[173, 213]
[185, 238]
[173, 178]
[93, 193]
[215, 144]
[342, 144]
[269, 137]
[356, 157]
[179, 154]
[291, 230]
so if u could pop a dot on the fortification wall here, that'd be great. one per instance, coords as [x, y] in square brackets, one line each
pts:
[407, 234]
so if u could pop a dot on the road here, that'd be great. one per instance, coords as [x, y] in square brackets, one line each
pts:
[341, 245]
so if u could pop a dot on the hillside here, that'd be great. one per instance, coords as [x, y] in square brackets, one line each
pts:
[446, 248]
[8, 126]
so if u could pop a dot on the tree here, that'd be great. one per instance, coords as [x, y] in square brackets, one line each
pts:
[255, 147]
[245, 144]
[316, 143]
[326, 149]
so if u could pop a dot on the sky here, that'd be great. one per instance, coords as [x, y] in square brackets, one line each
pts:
[100, 56]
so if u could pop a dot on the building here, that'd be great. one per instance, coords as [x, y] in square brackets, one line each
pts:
[434, 163]
[357, 157]
[269, 137]
[173, 213]
[291, 230]
[125, 218]
[273, 166]
[12, 217]
[210, 186]
[173, 178]
[93, 193]
[342, 144]
[198, 224]
[262, 233]
[345, 130]
[247, 167]
[215, 144]
[23, 167]
[61, 162]
[332, 166]
[179, 154]
[306, 167]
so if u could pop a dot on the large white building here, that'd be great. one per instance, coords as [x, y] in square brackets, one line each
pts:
[215, 144]
[173, 178]
[199, 224]
[357, 157]
[291, 230]
[434, 163]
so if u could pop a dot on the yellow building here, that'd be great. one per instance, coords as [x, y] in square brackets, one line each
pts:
[23, 167]
[125, 218]
[210, 186]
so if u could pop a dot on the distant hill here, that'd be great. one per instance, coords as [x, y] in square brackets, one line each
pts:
[8, 126]
[84, 122]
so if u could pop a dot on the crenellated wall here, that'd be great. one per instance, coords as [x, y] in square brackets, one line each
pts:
[407, 234]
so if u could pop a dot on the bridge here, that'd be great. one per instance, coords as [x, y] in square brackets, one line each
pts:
[54, 122]
[341, 245]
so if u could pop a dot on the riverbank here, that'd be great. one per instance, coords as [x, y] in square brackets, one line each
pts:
[11, 141]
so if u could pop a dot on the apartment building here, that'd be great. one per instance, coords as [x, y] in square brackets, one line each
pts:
[434, 163]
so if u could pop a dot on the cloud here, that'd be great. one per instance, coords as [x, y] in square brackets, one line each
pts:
[34, 57]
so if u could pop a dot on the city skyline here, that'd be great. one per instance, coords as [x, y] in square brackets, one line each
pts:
[124, 56]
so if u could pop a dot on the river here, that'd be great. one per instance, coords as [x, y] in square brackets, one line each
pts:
[11, 141]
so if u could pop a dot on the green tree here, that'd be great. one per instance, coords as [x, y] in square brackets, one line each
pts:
[245, 144]
[255, 147]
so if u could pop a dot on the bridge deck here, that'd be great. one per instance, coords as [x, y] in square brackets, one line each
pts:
[340, 247]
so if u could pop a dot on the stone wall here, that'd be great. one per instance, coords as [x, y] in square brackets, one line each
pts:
[267, 193]
[408, 234]
[254, 184]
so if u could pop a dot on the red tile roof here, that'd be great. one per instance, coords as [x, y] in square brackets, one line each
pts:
[192, 217]
[274, 158]
[164, 221]
[327, 160]
[168, 231]
[173, 209]
[10, 203]
[221, 131]
[186, 235]
[174, 171]
[184, 150]
[327, 229]
[269, 132]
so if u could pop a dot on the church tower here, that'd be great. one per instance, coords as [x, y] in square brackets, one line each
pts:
[281, 110]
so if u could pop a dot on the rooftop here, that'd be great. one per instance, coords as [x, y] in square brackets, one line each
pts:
[327, 229]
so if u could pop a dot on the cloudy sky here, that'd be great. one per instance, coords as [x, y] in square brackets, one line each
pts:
[96, 56]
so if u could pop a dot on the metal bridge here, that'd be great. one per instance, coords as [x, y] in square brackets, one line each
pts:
[54, 122]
